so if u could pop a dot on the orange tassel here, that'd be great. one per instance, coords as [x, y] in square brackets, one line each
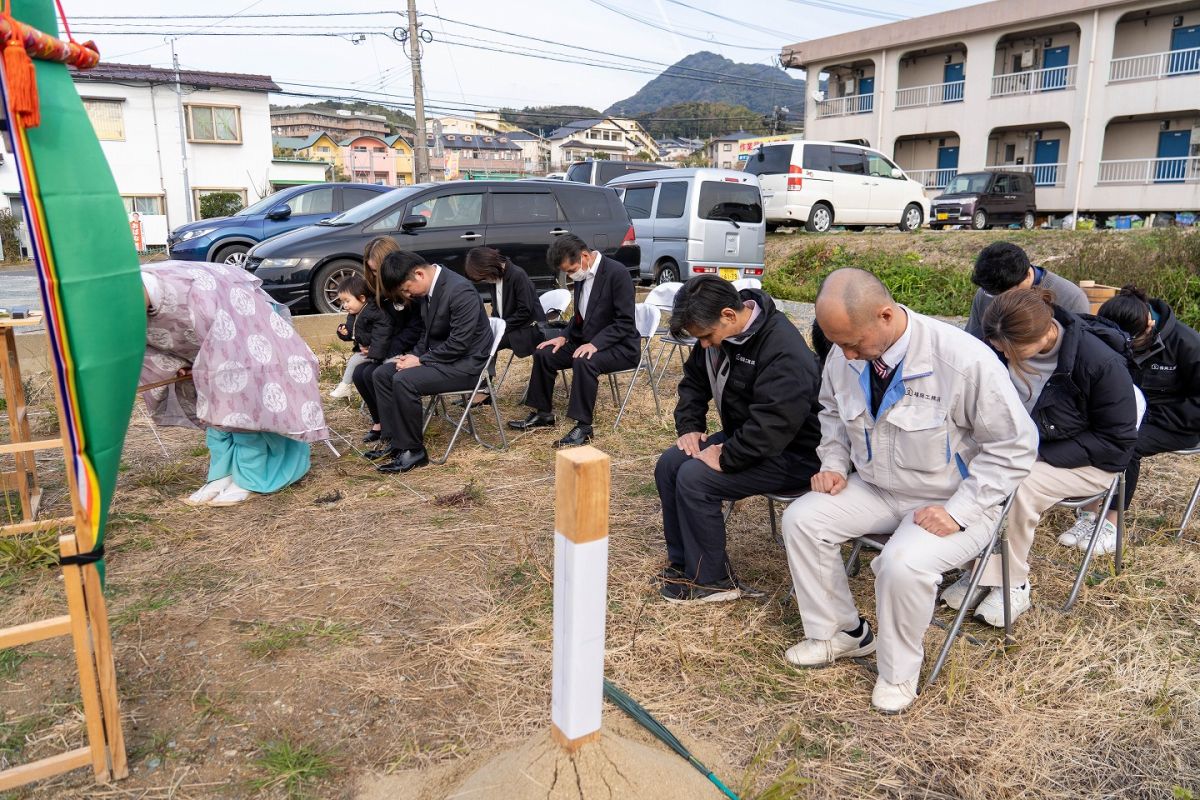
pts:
[22, 83]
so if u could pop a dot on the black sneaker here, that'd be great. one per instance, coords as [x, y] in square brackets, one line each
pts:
[719, 592]
[671, 573]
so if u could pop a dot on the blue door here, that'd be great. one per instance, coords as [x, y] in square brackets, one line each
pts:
[1172, 154]
[1045, 159]
[952, 76]
[1054, 63]
[1185, 50]
[947, 166]
[866, 95]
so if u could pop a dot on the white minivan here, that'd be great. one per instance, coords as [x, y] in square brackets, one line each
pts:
[694, 222]
[822, 184]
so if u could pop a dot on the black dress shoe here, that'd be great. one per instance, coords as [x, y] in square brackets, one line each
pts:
[580, 434]
[536, 419]
[381, 453]
[372, 436]
[404, 461]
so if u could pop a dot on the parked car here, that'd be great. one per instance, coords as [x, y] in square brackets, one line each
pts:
[822, 184]
[983, 199]
[601, 172]
[225, 240]
[442, 222]
[695, 221]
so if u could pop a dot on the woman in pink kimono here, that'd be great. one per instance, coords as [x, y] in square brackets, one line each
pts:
[253, 384]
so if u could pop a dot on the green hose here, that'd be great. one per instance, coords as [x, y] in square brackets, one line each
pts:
[643, 717]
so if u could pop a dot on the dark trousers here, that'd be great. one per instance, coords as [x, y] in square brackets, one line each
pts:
[364, 383]
[1153, 440]
[399, 395]
[692, 493]
[585, 378]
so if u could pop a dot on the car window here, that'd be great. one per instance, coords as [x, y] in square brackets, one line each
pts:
[388, 222]
[585, 205]
[968, 184]
[352, 197]
[672, 199]
[818, 157]
[879, 167]
[580, 173]
[318, 201]
[850, 162]
[776, 160]
[638, 200]
[450, 210]
[723, 200]
[510, 208]
[1026, 184]
[605, 172]
[1001, 185]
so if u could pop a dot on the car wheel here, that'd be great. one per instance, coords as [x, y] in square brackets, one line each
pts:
[668, 272]
[979, 220]
[912, 218]
[324, 288]
[234, 255]
[772, 227]
[1028, 221]
[933, 227]
[820, 219]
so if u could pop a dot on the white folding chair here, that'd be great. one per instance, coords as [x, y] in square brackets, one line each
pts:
[438, 401]
[747, 283]
[553, 302]
[646, 318]
[662, 297]
[1191, 506]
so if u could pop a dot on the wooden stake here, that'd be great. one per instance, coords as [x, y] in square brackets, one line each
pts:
[81, 636]
[580, 595]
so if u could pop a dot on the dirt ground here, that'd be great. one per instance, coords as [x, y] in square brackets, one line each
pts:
[356, 626]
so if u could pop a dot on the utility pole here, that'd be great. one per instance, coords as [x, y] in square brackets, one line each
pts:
[420, 151]
[187, 184]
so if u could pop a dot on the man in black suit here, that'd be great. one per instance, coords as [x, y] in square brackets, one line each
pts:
[453, 350]
[600, 338]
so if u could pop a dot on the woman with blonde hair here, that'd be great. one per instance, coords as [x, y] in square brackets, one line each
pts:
[398, 335]
[1071, 375]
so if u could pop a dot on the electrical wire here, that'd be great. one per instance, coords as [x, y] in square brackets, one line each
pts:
[672, 30]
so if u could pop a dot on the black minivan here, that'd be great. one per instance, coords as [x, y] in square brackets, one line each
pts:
[442, 221]
[983, 199]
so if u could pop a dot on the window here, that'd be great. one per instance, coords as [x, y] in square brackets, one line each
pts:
[360, 149]
[353, 197]
[727, 146]
[818, 157]
[737, 201]
[524, 208]
[107, 118]
[317, 201]
[581, 173]
[198, 193]
[143, 205]
[1010, 153]
[582, 205]
[214, 124]
[879, 167]
[849, 161]
[451, 210]
[380, 150]
[605, 172]
[776, 160]
[638, 200]
[672, 198]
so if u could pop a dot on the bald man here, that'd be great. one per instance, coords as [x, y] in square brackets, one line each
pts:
[928, 419]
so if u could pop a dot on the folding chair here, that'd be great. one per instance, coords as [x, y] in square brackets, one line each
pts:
[662, 297]
[646, 318]
[554, 302]
[1191, 506]
[485, 379]
[747, 283]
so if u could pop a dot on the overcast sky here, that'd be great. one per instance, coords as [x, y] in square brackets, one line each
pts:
[462, 72]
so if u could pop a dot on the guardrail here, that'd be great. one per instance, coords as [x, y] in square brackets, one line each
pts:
[1150, 170]
[935, 94]
[846, 106]
[1033, 81]
[1043, 174]
[1153, 66]
[932, 178]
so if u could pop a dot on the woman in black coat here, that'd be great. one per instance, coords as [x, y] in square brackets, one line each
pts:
[513, 299]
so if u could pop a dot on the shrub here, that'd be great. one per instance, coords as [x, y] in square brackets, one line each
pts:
[220, 204]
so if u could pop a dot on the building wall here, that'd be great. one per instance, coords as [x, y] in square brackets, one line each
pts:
[1138, 37]
[912, 154]
[1006, 50]
[1139, 139]
[1024, 144]
[376, 165]
[304, 123]
[928, 70]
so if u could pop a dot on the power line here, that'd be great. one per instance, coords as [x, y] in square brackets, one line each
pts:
[845, 8]
[668, 29]
[739, 22]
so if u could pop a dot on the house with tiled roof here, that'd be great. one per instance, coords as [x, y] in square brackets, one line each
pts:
[609, 138]
[454, 156]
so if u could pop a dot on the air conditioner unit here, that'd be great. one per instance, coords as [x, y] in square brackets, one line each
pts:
[1028, 58]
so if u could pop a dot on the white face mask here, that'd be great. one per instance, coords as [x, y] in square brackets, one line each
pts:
[579, 276]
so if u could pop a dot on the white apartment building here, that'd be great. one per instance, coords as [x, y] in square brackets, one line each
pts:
[225, 128]
[611, 138]
[1098, 99]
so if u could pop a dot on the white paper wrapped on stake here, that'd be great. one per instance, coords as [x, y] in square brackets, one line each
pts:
[580, 594]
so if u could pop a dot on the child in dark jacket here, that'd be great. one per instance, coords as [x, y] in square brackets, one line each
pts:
[367, 327]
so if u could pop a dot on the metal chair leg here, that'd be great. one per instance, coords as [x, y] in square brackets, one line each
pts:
[1005, 583]
[503, 375]
[1119, 555]
[852, 563]
[1191, 509]
[1091, 548]
[774, 526]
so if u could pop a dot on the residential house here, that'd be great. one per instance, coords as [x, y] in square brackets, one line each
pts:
[367, 159]
[535, 151]
[339, 124]
[608, 138]
[471, 156]
[722, 151]
[677, 149]
[403, 156]
[482, 123]
[319, 146]
[1098, 99]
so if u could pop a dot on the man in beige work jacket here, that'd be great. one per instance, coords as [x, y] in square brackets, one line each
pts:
[928, 418]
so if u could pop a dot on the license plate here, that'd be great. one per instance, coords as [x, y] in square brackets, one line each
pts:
[943, 215]
[729, 274]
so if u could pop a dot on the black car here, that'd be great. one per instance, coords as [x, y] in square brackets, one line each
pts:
[983, 199]
[442, 221]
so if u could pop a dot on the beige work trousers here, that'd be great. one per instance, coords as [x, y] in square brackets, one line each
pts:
[907, 572]
[1044, 487]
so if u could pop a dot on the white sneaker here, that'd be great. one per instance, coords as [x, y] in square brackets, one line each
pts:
[991, 610]
[231, 496]
[1108, 539]
[823, 652]
[1085, 521]
[208, 491]
[956, 592]
[342, 390]
[893, 698]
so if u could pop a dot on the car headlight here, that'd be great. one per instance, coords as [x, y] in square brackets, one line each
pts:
[192, 234]
[277, 263]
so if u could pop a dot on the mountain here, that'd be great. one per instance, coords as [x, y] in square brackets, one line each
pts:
[543, 119]
[710, 78]
[701, 120]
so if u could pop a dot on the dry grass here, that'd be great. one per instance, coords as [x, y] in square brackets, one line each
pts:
[356, 617]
